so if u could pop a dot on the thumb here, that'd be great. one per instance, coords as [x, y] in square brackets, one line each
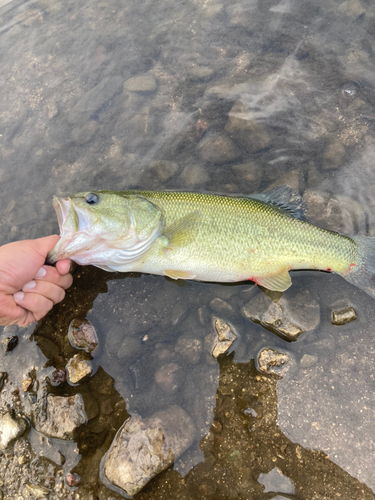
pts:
[43, 245]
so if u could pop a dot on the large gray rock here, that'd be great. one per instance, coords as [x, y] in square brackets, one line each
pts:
[144, 447]
[61, 416]
[288, 318]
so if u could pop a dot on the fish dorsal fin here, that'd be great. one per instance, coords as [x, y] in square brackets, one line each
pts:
[284, 198]
[183, 231]
[278, 282]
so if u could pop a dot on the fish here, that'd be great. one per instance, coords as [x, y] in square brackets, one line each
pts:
[207, 237]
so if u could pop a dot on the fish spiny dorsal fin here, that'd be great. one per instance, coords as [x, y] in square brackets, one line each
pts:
[183, 231]
[278, 282]
[285, 199]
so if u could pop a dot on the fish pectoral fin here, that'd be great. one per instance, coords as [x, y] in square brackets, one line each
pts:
[278, 282]
[179, 275]
[183, 231]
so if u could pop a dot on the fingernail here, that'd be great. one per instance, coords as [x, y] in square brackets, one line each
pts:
[42, 272]
[29, 285]
[18, 296]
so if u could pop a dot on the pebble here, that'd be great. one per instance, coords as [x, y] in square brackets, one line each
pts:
[189, 348]
[245, 130]
[308, 360]
[141, 83]
[225, 338]
[272, 361]
[61, 416]
[145, 447]
[78, 368]
[334, 156]
[164, 169]
[218, 149]
[343, 316]
[168, 377]
[249, 172]
[58, 377]
[82, 335]
[200, 72]
[73, 480]
[194, 175]
[3, 377]
[130, 348]
[10, 343]
[10, 429]
[27, 385]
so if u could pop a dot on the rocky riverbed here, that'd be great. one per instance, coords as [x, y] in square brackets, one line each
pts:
[139, 385]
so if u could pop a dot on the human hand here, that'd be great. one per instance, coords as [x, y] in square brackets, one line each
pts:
[28, 288]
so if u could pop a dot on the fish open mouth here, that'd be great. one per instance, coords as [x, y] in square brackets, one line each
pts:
[68, 225]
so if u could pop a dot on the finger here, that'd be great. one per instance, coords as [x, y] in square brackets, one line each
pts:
[43, 245]
[45, 288]
[51, 275]
[34, 303]
[64, 266]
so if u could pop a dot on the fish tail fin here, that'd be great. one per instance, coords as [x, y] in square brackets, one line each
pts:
[362, 272]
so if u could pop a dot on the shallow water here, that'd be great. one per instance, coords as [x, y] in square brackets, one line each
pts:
[237, 97]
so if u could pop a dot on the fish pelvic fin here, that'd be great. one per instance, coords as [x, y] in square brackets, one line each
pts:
[278, 282]
[361, 273]
[183, 231]
[179, 275]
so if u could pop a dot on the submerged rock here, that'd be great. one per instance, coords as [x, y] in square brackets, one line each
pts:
[78, 368]
[10, 429]
[168, 377]
[343, 316]
[141, 83]
[82, 335]
[272, 361]
[189, 348]
[225, 338]
[288, 318]
[61, 416]
[144, 447]
[218, 149]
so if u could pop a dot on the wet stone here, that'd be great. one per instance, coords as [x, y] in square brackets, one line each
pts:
[249, 172]
[343, 316]
[61, 416]
[27, 385]
[10, 429]
[218, 149]
[225, 338]
[200, 72]
[9, 343]
[144, 447]
[275, 480]
[82, 335]
[250, 412]
[141, 83]
[288, 318]
[58, 377]
[78, 368]
[272, 361]
[220, 306]
[168, 377]
[3, 377]
[189, 348]
[245, 130]
[163, 169]
[334, 156]
[72, 480]
[193, 175]
[38, 490]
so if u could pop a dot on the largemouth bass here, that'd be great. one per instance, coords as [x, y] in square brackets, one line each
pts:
[206, 237]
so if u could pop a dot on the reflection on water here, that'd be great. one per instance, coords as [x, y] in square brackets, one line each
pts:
[232, 97]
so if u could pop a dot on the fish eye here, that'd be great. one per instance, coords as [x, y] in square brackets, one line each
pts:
[92, 199]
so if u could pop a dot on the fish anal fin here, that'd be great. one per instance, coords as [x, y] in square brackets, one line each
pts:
[278, 282]
[179, 275]
[183, 231]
